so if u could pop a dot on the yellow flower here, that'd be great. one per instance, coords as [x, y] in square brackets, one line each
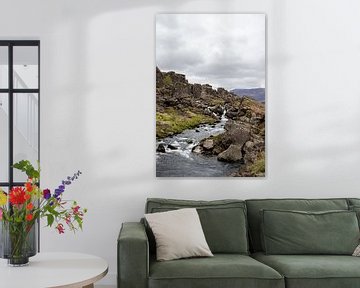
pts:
[3, 198]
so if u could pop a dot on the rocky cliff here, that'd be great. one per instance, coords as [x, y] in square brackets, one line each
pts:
[182, 105]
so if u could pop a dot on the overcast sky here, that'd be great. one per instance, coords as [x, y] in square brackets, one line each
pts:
[224, 50]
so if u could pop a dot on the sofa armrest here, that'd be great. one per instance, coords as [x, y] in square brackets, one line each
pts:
[133, 256]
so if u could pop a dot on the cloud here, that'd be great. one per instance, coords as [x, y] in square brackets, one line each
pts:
[224, 50]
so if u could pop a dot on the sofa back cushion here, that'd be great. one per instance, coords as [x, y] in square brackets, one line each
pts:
[298, 232]
[255, 206]
[353, 201]
[354, 205]
[223, 221]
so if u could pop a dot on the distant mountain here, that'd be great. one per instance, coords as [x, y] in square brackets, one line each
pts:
[257, 94]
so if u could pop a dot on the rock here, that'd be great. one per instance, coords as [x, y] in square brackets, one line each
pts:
[218, 110]
[197, 130]
[197, 149]
[161, 148]
[232, 154]
[232, 113]
[221, 90]
[159, 77]
[252, 150]
[236, 133]
[244, 119]
[218, 149]
[249, 144]
[172, 147]
[208, 144]
[171, 102]
[242, 113]
[196, 90]
[208, 112]
[189, 141]
[255, 130]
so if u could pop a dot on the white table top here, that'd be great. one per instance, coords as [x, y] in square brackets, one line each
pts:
[54, 270]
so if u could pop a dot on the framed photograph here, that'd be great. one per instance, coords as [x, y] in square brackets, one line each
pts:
[210, 95]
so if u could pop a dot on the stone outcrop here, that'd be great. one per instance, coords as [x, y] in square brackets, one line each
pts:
[174, 91]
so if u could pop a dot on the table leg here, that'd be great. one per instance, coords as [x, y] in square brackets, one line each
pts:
[89, 286]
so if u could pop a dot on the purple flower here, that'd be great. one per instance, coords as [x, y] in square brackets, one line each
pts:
[46, 194]
[58, 192]
[68, 181]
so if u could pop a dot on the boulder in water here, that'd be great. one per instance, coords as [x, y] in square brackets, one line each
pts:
[232, 154]
[172, 147]
[197, 149]
[161, 148]
[208, 144]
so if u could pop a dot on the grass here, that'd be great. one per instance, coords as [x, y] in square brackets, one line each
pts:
[172, 122]
[255, 106]
[258, 167]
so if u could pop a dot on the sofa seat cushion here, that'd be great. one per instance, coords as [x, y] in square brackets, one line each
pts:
[222, 270]
[313, 271]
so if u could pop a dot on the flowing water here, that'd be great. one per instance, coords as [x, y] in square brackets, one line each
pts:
[182, 162]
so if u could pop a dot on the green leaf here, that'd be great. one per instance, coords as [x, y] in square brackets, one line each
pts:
[53, 211]
[28, 168]
[22, 164]
[50, 219]
[79, 221]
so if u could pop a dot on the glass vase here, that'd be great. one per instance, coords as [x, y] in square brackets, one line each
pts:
[18, 242]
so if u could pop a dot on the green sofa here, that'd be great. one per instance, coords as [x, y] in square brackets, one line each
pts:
[234, 232]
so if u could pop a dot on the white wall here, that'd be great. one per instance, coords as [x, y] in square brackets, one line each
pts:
[98, 105]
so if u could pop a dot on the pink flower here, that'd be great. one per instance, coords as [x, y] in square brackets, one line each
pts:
[68, 219]
[60, 228]
[76, 210]
[1, 212]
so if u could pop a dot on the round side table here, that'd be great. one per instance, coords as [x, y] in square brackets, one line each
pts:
[50, 270]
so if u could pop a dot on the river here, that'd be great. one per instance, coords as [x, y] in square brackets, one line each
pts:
[181, 162]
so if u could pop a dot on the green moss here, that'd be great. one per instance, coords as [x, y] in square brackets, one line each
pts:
[172, 121]
[258, 167]
[167, 80]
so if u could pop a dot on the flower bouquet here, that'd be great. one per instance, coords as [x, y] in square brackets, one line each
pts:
[21, 208]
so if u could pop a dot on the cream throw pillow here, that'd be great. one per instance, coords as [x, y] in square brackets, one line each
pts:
[178, 234]
[357, 251]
